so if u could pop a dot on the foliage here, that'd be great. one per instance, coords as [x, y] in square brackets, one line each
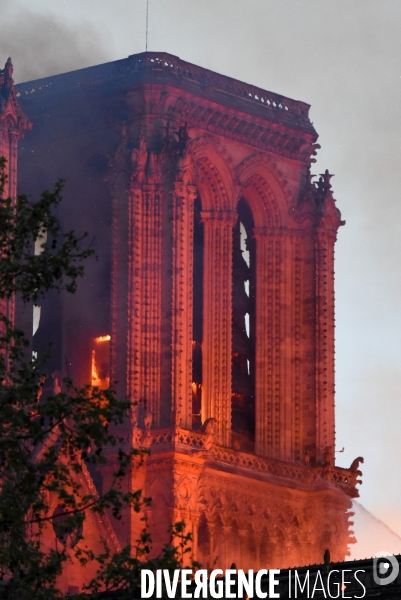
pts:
[21, 223]
[49, 439]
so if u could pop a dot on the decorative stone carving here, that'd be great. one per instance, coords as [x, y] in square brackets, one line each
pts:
[210, 429]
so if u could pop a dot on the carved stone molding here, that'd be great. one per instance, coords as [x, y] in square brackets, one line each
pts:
[184, 441]
[245, 130]
[216, 348]
[183, 197]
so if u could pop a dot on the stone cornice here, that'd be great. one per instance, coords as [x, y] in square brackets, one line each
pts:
[249, 129]
[161, 67]
[208, 100]
[260, 467]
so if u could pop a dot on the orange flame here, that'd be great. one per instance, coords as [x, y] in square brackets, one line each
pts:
[103, 338]
[95, 376]
[100, 363]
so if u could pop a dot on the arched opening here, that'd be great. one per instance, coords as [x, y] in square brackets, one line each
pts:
[243, 332]
[203, 540]
[251, 551]
[159, 521]
[233, 547]
[197, 327]
[67, 527]
[264, 549]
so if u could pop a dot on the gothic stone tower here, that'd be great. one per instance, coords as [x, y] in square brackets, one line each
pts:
[212, 303]
[13, 124]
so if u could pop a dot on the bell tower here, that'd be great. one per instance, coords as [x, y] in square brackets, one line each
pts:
[211, 305]
[223, 316]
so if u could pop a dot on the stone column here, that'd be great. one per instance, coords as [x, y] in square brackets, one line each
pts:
[211, 526]
[275, 553]
[324, 248]
[217, 321]
[226, 546]
[244, 558]
[297, 348]
[195, 516]
[183, 197]
[268, 380]
[137, 478]
[257, 539]
[14, 136]
[144, 295]
[5, 153]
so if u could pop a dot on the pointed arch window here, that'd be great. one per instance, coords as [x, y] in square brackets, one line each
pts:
[243, 332]
[197, 328]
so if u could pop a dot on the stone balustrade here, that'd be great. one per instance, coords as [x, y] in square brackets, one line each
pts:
[292, 473]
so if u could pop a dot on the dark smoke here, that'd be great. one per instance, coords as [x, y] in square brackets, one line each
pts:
[41, 45]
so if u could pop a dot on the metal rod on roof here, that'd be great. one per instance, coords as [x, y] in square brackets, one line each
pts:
[147, 23]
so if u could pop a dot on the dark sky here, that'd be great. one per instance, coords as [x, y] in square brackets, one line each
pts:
[342, 57]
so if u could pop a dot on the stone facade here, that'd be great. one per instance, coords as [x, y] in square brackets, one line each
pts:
[215, 293]
[13, 124]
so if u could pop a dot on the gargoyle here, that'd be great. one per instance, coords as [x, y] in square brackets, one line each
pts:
[355, 464]
[354, 468]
